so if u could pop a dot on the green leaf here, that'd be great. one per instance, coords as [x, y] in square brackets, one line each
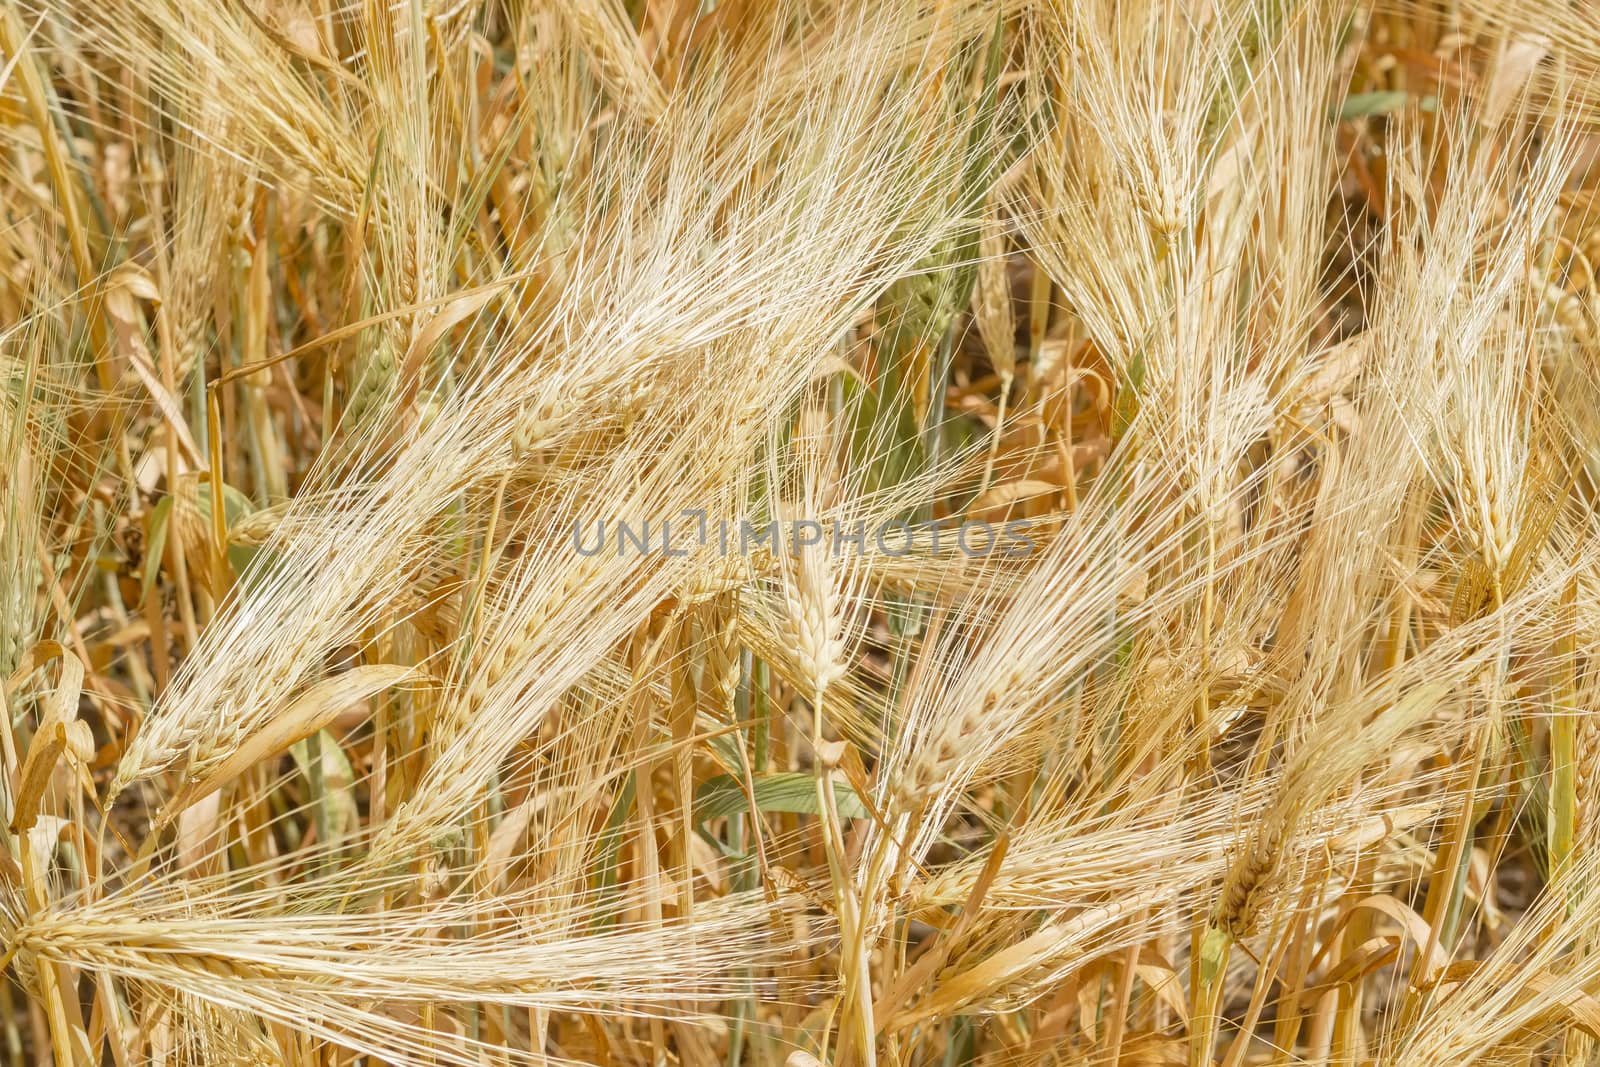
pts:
[725, 750]
[610, 852]
[155, 544]
[235, 504]
[1126, 408]
[1214, 953]
[236, 507]
[1363, 105]
[793, 792]
[337, 802]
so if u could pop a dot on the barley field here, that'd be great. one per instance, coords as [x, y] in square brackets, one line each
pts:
[811, 533]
